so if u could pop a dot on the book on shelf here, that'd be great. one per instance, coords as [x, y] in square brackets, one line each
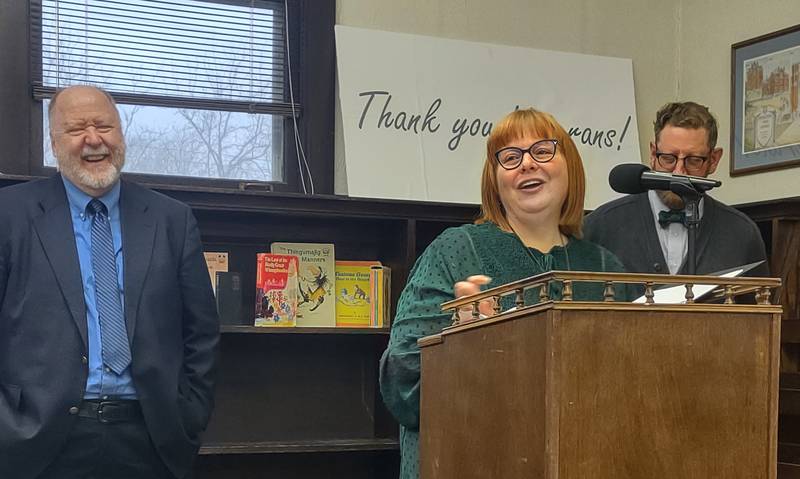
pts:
[229, 297]
[354, 294]
[215, 262]
[315, 282]
[380, 287]
[362, 289]
[276, 289]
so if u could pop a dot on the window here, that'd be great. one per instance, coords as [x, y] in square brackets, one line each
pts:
[200, 84]
[308, 32]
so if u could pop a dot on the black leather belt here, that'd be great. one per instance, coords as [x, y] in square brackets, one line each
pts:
[108, 411]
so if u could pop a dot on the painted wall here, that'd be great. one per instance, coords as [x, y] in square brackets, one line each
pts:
[680, 51]
[707, 29]
[629, 28]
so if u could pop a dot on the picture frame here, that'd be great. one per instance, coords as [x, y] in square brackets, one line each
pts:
[765, 102]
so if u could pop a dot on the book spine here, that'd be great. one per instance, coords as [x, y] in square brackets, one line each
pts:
[387, 292]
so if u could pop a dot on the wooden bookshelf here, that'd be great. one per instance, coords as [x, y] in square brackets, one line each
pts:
[334, 445]
[242, 329]
[308, 396]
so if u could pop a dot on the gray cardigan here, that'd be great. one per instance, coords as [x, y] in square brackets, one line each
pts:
[726, 237]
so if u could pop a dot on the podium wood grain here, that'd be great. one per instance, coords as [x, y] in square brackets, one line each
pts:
[567, 391]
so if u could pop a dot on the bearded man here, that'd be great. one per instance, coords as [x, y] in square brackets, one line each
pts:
[648, 231]
[108, 327]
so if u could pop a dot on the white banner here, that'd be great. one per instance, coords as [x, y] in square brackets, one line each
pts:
[416, 111]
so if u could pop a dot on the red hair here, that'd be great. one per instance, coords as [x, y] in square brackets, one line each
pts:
[514, 126]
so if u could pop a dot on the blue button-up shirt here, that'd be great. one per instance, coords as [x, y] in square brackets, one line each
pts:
[102, 381]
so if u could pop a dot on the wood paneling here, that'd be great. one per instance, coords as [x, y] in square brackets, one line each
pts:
[779, 222]
[572, 393]
[785, 264]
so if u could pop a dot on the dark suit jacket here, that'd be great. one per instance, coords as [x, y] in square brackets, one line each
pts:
[726, 237]
[169, 307]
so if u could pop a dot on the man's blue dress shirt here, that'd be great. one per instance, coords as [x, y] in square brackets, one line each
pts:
[102, 382]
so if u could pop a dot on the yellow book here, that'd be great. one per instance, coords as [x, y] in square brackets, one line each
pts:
[354, 299]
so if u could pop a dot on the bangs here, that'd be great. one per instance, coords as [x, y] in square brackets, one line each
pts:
[518, 124]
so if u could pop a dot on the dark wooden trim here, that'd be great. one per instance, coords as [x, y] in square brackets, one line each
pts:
[15, 103]
[219, 199]
[790, 331]
[240, 329]
[788, 471]
[766, 36]
[313, 49]
[789, 402]
[732, 109]
[789, 453]
[790, 381]
[290, 167]
[771, 209]
[757, 169]
[334, 445]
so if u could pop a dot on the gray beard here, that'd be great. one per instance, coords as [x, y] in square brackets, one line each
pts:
[96, 181]
[101, 181]
[673, 201]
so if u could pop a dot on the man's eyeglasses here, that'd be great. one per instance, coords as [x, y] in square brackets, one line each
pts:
[692, 163]
[511, 157]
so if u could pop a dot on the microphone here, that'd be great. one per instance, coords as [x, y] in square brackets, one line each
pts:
[632, 178]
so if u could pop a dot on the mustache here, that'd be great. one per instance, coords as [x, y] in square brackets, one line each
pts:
[91, 151]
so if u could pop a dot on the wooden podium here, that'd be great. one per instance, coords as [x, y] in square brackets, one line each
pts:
[567, 389]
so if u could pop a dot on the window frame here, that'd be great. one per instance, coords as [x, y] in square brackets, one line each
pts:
[312, 50]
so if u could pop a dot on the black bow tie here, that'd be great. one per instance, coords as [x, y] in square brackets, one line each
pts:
[665, 217]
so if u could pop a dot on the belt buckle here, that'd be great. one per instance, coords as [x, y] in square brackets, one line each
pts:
[101, 410]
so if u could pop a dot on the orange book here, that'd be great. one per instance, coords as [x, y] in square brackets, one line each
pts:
[276, 289]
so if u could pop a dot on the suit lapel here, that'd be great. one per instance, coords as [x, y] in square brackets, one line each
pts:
[138, 234]
[57, 237]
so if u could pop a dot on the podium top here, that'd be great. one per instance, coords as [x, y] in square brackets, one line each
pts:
[723, 288]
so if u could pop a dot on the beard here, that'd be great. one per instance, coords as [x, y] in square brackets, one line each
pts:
[72, 167]
[673, 201]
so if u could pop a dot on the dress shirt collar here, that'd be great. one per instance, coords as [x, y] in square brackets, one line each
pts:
[79, 200]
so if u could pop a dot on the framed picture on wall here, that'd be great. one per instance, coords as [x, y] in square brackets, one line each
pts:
[765, 102]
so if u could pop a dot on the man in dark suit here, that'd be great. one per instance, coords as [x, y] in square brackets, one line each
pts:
[647, 231]
[108, 328]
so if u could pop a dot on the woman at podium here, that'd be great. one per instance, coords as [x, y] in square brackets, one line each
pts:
[532, 193]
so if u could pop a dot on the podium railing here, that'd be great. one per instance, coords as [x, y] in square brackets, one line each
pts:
[724, 288]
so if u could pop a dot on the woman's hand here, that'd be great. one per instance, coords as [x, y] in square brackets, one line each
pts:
[473, 285]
